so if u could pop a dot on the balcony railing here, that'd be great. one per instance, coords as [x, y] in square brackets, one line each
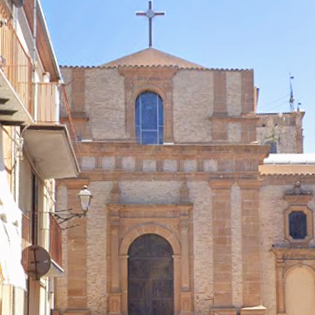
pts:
[47, 102]
[55, 245]
[15, 63]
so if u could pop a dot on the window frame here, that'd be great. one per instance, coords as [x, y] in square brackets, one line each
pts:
[159, 112]
[309, 224]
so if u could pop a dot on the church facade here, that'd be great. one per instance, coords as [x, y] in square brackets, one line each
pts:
[189, 214]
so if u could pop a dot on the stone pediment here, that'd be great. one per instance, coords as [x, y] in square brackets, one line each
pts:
[151, 57]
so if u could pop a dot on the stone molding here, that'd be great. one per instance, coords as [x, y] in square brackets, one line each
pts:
[286, 258]
[127, 222]
[297, 198]
[223, 311]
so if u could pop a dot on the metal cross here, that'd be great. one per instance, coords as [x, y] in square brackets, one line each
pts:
[150, 14]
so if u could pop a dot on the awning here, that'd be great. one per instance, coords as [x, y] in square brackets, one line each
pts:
[12, 110]
[49, 147]
[55, 270]
[11, 270]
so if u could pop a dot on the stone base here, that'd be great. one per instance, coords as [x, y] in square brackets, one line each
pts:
[256, 310]
[77, 312]
[222, 311]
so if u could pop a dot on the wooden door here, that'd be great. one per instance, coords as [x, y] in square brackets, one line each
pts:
[150, 276]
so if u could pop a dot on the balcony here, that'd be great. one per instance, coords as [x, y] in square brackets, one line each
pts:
[15, 78]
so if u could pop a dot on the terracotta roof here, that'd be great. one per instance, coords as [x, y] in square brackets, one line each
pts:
[151, 57]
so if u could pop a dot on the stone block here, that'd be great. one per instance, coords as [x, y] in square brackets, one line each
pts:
[223, 311]
[77, 312]
[256, 310]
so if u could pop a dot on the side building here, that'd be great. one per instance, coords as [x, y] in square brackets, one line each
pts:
[35, 149]
[191, 213]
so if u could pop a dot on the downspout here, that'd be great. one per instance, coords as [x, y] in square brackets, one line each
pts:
[35, 103]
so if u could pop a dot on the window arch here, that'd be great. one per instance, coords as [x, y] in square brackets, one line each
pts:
[149, 118]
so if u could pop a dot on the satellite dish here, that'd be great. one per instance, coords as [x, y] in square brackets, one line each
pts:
[36, 261]
[18, 3]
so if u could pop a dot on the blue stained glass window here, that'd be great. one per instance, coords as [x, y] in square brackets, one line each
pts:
[298, 227]
[149, 118]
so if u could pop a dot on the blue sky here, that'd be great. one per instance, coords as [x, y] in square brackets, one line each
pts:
[273, 37]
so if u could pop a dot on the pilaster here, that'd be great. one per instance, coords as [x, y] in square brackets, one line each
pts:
[222, 253]
[250, 243]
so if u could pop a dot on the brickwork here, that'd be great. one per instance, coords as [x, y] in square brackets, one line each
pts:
[234, 93]
[200, 195]
[250, 239]
[77, 256]
[105, 104]
[236, 243]
[222, 255]
[96, 242]
[193, 106]
[284, 129]
[78, 89]
[272, 228]
[61, 283]
[202, 192]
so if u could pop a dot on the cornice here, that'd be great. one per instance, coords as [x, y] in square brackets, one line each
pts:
[155, 207]
[102, 175]
[182, 150]
[294, 253]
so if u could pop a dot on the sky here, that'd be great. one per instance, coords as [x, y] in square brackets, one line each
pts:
[273, 37]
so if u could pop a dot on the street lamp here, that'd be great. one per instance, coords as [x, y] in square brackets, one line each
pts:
[85, 197]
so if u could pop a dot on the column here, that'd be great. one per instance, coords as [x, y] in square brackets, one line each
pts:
[115, 286]
[115, 291]
[177, 283]
[185, 255]
[280, 284]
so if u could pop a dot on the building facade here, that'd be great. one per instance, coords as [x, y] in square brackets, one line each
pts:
[35, 149]
[189, 215]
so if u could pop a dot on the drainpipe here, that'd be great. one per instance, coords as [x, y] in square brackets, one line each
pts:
[35, 61]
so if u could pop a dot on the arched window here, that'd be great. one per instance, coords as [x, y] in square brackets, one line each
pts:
[149, 118]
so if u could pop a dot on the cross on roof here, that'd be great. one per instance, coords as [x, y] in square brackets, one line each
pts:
[150, 14]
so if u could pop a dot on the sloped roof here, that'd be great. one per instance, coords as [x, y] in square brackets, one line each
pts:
[151, 57]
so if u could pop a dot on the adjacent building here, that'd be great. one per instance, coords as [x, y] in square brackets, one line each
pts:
[35, 149]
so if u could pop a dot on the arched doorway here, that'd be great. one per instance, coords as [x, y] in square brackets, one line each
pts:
[150, 276]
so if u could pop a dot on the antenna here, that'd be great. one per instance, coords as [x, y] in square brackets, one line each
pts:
[291, 94]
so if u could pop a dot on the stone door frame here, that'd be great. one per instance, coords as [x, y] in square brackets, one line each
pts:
[126, 223]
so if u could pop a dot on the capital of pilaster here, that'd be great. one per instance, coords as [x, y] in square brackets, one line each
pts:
[253, 184]
[221, 184]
